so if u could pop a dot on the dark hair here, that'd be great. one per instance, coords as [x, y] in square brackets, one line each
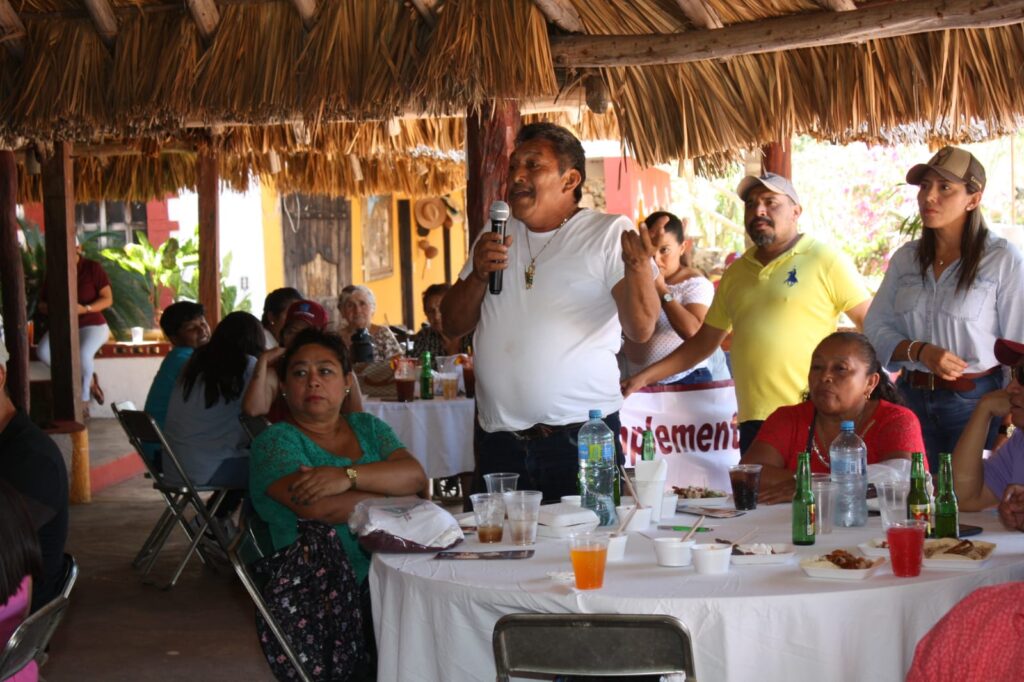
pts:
[435, 290]
[885, 390]
[673, 226]
[310, 337]
[176, 315]
[222, 362]
[567, 148]
[19, 544]
[972, 248]
[278, 300]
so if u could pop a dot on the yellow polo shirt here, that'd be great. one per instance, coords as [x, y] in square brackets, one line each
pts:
[778, 313]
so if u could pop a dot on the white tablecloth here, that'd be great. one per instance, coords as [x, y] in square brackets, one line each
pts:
[434, 619]
[439, 433]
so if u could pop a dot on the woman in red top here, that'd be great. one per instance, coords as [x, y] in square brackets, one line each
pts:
[846, 384]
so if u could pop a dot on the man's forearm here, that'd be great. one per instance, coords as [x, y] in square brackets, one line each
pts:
[697, 348]
[639, 305]
[968, 468]
[460, 308]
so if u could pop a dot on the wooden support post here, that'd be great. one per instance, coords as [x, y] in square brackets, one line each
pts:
[209, 239]
[405, 263]
[62, 284]
[12, 281]
[490, 139]
[778, 158]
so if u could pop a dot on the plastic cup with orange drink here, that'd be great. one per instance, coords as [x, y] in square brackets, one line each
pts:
[589, 553]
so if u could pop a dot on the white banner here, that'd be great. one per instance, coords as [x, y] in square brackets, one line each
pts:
[695, 431]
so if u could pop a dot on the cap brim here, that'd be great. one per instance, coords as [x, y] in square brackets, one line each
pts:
[751, 181]
[915, 174]
[1008, 352]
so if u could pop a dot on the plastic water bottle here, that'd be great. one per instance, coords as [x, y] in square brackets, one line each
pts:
[597, 468]
[849, 457]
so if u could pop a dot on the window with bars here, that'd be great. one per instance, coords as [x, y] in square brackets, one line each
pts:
[117, 220]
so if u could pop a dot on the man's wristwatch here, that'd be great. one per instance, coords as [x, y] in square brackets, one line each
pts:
[667, 298]
[353, 475]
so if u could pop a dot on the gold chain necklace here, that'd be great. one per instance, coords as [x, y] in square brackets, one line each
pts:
[531, 269]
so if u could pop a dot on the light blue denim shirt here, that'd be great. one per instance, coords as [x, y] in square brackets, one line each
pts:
[966, 323]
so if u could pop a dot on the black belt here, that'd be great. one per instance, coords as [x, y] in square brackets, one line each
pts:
[538, 431]
[965, 382]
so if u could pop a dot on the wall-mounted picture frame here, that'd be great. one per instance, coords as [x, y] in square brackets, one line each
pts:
[378, 260]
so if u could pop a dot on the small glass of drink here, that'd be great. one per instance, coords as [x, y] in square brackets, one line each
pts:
[892, 501]
[406, 375]
[824, 490]
[523, 509]
[501, 482]
[906, 547]
[489, 510]
[589, 554]
[745, 479]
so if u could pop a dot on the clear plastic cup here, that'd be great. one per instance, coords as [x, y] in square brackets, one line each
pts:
[746, 482]
[824, 501]
[501, 482]
[589, 554]
[892, 501]
[489, 510]
[523, 510]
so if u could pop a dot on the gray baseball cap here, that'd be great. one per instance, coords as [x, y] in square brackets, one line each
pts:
[773, 181]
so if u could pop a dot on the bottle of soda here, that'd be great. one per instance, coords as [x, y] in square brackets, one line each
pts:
[803, 503]
[918, 502]
[947, 511]
[648, 447]
[849, 462]
[426, 376]
[597, 474]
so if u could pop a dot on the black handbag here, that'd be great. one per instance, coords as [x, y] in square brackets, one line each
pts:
[312, 593]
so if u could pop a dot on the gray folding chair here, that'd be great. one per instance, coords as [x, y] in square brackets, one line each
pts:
[30, 639]
[144, 434]
[253, 426]
[597, 645]
[245, 550]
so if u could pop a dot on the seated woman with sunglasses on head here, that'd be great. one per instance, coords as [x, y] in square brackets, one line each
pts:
[846, 383]
[981, 483]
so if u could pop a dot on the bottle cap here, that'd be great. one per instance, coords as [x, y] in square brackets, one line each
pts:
[595, 414]
[846, 426]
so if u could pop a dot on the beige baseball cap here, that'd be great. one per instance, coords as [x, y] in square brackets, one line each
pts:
[952, 163]
[773, 181]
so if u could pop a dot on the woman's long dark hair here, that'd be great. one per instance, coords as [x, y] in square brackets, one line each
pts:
[19, 544]
[972, 248]
[885, 390]
[221, 363]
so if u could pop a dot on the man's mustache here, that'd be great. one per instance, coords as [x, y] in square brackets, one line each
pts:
[760, 221]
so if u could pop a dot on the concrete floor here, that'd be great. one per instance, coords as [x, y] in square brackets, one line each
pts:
[119, 629]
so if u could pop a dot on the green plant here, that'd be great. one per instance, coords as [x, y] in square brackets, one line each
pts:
[189, 288]
[158, 267]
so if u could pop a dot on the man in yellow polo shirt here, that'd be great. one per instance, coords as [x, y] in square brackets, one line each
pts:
[780, 299]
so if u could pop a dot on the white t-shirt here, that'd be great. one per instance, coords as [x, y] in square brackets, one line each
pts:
[547, 355]
[665, 339]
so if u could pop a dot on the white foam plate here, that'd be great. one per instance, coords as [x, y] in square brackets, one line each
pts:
[783, 553]
[839, 573]
[466, 519]
[714, 502]
[956, 564]
[871, 548]
[544, 531]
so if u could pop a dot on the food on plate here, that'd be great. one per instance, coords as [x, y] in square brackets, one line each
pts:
[756, 549]
[880, 543]
[696, 492]
[840, 558]
[958, 550]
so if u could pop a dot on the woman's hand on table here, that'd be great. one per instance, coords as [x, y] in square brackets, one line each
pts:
[777, 493]
[316, 483]
[942, 363]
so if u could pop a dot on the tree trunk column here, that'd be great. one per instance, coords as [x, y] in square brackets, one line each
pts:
[209, 239]
[12, 281]
[778, 158]
[489, 143]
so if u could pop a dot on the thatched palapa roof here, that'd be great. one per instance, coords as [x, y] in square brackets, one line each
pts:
[364, 96]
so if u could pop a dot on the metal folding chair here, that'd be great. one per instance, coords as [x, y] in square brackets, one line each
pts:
[245, 550]
[253, 426]
[143, 431]
[30, 639]
[598, 645]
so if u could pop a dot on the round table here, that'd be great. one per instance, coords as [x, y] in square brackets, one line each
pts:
[438, 433]
[434, 619]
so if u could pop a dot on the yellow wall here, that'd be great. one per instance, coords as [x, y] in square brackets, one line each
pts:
[388, 291]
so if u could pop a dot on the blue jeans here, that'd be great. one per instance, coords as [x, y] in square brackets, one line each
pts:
[548, 464]
[943, 414]
[90, 340]
[697, 376]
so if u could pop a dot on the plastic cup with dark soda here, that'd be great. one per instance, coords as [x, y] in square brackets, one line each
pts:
[745, 479]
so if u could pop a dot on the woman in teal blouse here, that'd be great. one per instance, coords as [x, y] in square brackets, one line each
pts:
[321, 463]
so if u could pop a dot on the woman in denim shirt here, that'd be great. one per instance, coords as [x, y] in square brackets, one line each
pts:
[945, 299]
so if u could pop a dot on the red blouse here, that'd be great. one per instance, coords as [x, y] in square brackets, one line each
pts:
[892, 428]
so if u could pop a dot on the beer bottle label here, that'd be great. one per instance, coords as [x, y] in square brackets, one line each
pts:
[920, 512]
[811, 519]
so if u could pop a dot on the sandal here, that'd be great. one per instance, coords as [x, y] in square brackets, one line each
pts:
[95, 391]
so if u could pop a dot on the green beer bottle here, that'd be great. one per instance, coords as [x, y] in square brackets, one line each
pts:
[648, 447]
[918, 502]
[947, 511]
[426, 376]
[803, 503]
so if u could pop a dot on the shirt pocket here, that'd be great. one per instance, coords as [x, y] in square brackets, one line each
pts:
[973, 304]
[908, 294]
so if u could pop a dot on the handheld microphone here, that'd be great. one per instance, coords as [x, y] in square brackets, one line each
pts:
[499, 216]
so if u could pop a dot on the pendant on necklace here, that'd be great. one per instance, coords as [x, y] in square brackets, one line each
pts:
[529, 275]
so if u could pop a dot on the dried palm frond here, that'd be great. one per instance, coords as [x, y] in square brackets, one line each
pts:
[126, 178]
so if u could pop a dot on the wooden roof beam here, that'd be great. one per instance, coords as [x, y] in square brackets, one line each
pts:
[12, 31]
[307, 12]
[206, 16]
[104, 20]
[700, 14]
[784, 33]
[838, 5]
[562, 14]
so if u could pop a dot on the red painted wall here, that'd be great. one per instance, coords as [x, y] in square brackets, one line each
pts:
[625, 183]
